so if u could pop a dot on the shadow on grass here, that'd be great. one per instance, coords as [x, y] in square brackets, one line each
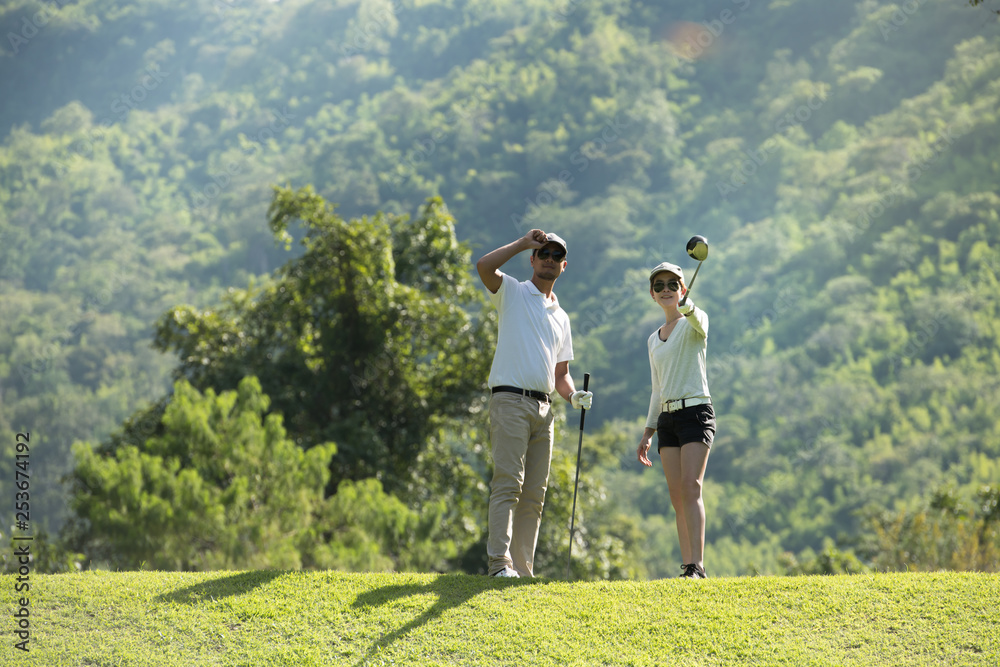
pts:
[452, 590]
[238, 583]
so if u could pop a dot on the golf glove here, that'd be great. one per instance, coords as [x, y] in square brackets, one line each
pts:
[581, 399]
[686, 308]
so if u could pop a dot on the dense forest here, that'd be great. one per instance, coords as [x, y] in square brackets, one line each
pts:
[242, 326]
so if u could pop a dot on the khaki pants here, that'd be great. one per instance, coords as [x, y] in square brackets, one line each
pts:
[521, 438]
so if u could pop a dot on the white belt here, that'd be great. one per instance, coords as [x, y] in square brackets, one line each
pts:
[681, 403]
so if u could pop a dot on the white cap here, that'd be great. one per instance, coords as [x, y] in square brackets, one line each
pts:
[666, 266]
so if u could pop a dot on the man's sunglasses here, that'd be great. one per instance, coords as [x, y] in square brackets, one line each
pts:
[672, 285]
[558, 254]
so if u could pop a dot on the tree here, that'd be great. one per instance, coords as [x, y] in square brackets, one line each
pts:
[221, 486]
[976, 3]
[369, 338]
[948, 532]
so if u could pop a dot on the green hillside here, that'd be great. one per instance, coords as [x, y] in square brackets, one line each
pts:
[842, 159]
[277, 618]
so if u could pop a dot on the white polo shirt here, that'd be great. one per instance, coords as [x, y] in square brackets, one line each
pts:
[533, 336]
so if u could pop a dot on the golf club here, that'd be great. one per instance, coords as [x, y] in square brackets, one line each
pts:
[579, 450]
[697, 248]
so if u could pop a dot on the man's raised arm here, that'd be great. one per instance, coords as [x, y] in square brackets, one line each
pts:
[489, 264]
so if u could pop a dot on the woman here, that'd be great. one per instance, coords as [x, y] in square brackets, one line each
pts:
[680, 409]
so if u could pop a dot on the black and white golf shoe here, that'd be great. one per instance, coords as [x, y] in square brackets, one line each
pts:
[507, 572]
[693, 571]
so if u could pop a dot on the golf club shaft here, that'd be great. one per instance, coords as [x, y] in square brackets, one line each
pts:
[579, 451]
[697, 269]
[695, 276]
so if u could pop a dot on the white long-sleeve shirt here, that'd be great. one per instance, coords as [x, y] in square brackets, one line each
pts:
[677, 365]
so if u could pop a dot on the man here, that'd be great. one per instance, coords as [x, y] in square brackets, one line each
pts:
[534, 348]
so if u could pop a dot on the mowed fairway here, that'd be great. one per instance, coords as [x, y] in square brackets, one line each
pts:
[255, 618]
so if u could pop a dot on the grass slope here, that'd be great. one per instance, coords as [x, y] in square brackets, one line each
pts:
[331, 618]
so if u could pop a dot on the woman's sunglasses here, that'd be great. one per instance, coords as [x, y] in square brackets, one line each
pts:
[672, 285]
[558, 254]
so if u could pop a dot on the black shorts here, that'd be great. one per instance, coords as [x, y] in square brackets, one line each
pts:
[692, 424]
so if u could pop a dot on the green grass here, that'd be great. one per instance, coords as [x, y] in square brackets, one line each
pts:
[330, 618]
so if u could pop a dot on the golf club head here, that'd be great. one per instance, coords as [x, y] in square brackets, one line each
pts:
[697, 248]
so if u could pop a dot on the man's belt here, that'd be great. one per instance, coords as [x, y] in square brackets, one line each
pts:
[681, 403]
[537, 395]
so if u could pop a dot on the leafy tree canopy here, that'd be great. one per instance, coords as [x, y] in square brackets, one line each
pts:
[224, 487]
[370, 338]
[221, 487]
[840, 157]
